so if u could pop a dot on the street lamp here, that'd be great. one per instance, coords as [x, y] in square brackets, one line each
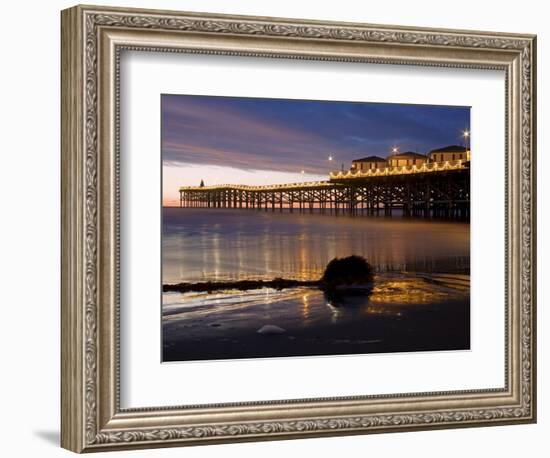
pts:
[330, 161]
[395, 150]
[466, 137]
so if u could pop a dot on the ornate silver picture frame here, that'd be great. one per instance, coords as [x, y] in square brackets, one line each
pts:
[93, 39]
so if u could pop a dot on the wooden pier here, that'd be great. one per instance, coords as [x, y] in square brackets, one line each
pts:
[430, 191]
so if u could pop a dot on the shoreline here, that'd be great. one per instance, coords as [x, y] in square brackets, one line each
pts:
[276, 283]
[339, 273]
[285, 283]
[242, 285]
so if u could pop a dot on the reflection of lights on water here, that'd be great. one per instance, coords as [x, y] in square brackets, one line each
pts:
[393, 297]
[303, 273]
[305, 307]
[335, 312]
[410, 291]
[216, 250]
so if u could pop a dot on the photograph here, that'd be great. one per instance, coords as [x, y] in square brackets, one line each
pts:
[268, 232]
[313, 227]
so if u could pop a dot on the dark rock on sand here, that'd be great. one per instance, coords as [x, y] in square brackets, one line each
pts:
[352, 270]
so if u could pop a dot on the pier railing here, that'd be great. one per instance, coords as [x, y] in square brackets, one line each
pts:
[339, 175]
[426, 167]
[267, 187]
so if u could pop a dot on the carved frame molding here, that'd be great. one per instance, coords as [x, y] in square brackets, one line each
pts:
[92, 39]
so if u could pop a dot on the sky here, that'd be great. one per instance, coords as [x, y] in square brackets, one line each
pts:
[263, 141]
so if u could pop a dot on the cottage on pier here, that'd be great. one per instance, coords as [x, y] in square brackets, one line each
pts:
[407, 159]
[449, 154]
[369, 163]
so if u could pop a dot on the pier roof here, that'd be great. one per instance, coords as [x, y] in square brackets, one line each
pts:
[370, 159]
[407, 155]
[450, 149]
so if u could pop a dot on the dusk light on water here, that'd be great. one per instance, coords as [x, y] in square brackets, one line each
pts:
[260, 195]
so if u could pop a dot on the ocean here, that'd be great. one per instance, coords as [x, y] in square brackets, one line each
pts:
[419, 299]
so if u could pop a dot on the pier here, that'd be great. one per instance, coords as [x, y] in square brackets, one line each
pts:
[440, 190]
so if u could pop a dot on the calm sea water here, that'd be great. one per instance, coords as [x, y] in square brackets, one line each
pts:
[419, 299]
[215, 245]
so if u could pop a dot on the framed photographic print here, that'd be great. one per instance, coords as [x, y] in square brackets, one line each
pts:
[278, 228]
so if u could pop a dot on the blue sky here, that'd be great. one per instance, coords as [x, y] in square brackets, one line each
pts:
[251, 136]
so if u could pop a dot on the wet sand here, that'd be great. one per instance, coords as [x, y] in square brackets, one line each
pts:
[404, 312]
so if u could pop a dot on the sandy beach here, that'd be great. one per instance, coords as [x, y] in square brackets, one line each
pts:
[404, 312]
